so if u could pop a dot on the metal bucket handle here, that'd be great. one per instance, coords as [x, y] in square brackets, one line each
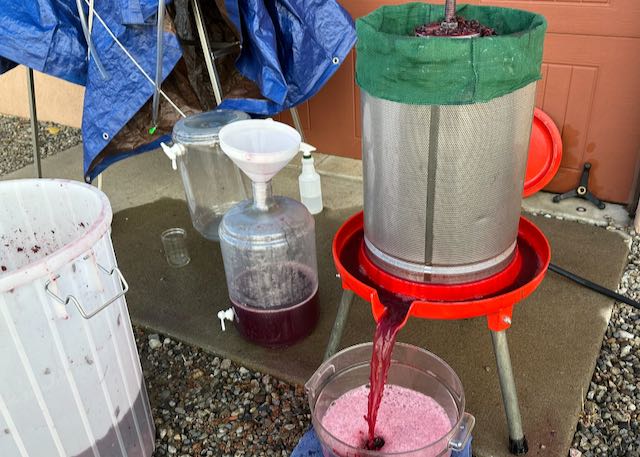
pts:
[461, 436]
[76, 302]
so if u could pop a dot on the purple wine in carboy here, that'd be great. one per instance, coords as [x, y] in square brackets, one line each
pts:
[278, 328]
[292, 287]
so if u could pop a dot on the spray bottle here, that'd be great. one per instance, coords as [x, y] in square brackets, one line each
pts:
[309, 181]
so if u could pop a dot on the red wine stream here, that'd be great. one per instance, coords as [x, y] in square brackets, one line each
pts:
[396, 309]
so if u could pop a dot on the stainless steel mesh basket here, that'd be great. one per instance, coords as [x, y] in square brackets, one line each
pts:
[443, 185]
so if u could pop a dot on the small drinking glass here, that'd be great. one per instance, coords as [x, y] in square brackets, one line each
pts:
[175, 247]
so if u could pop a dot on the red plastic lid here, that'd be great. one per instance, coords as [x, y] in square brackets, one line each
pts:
[545, 153]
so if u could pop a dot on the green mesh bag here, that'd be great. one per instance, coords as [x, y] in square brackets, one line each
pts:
[392, 64]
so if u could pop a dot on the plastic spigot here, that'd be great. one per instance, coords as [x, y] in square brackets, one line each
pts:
[173, 152]
[225, 315]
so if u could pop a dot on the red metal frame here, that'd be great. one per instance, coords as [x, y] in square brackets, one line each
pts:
[498, 293]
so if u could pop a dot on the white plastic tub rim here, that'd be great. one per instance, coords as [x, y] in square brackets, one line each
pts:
[46, 264]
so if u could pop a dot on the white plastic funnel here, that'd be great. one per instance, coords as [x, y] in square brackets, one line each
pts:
[260, 147]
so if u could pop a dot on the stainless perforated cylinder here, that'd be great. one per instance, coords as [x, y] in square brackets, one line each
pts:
[443, 185]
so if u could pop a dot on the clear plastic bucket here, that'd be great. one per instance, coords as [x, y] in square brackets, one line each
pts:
[411, 367]
[212, 183]
[70, 378]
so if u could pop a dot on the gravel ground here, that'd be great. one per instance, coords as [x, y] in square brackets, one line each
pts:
[15, 141]
[207, 406]
[609, 425]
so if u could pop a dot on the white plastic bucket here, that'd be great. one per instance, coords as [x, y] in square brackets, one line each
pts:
[70, 378]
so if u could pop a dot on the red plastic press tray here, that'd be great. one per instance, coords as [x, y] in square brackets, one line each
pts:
[493, 297]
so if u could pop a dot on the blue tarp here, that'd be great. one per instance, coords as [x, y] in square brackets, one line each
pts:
[290, 49]
[293, 48]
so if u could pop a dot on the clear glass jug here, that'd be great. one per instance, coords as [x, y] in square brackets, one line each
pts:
[212, 182]
[268, 242]
[411, 367]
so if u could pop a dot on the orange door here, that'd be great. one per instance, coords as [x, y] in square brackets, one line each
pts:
[590, 87]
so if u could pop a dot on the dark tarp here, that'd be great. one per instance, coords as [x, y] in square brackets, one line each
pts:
[290, 48]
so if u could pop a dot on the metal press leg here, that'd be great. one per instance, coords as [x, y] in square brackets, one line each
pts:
[517, 440]
[34, 123]
[340, 323]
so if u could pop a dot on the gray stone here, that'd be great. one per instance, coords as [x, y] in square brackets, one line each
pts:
[625, 351]
[623, 334]
[154, 343]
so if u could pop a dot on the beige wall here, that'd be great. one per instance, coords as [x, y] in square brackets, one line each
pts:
[56, 100]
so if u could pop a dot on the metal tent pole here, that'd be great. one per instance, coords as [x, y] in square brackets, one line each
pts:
[34, 122]
[155, 110]
[206, 48]
[517, 441]
[90, 25]
[296, 121]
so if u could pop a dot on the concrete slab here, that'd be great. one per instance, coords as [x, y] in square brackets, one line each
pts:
[184, 302]
[341, 178]
[575, 209]
[133, 182]
[150, 177]
[337, 193]
[554, 341]
[65, 164]
[341, 167]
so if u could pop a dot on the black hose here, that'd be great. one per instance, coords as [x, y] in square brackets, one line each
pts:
[593, 286]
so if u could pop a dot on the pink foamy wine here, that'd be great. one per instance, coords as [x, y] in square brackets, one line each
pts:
[421, 413]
